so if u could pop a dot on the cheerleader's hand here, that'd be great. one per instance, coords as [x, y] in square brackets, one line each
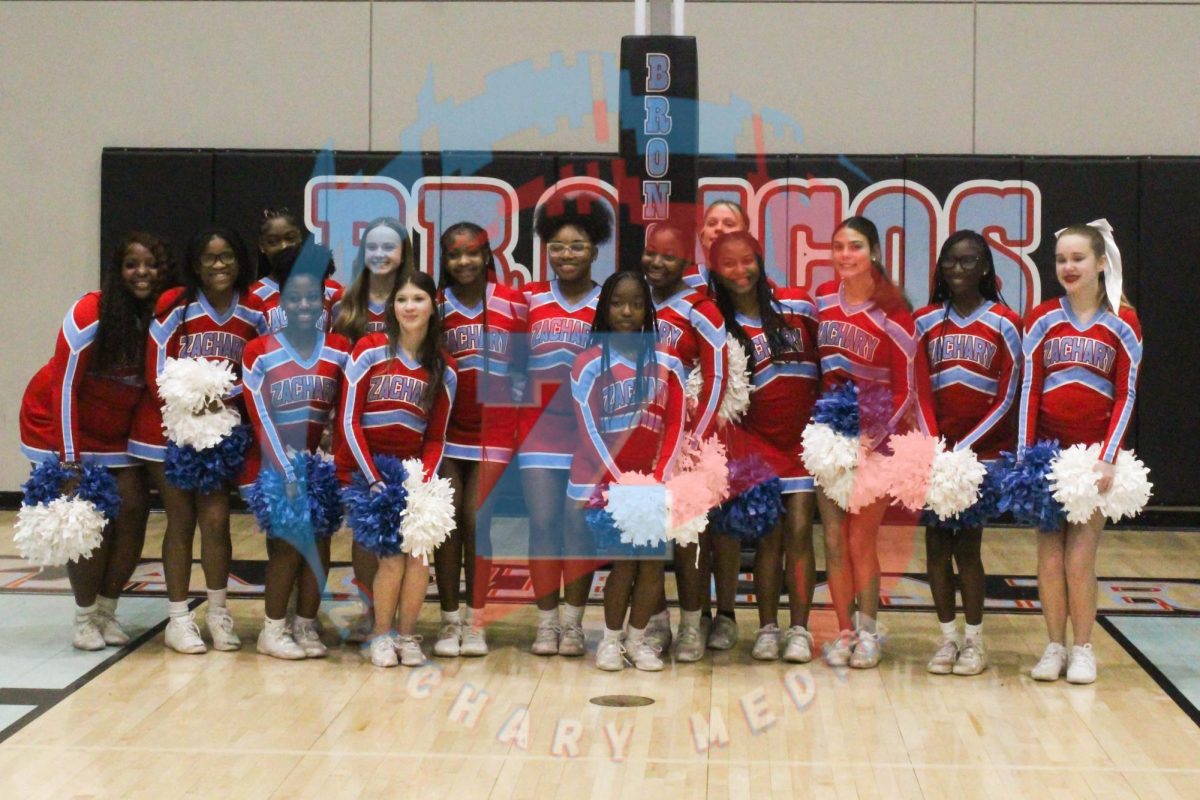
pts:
[292, 489]
[377, 487]
[1105, 470]
[213, 406]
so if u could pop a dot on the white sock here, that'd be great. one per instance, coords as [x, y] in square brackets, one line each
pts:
[274, 623]
[547, 618]
[216, 598]
[454, 616]
[635, 635]
[179, 609]
[614, 635]
[866, 623]
[107, 604]
[689, 618]
[84, 612]
[662, 617]
[949, 629]
[975, 631]
[304, 620]
[473, 616]
[572, 615]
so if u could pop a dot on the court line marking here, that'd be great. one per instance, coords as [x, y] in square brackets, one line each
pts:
[699, 759]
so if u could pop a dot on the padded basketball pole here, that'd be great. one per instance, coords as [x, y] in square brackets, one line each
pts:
[659, 123]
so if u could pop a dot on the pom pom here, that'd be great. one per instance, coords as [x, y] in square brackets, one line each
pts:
[52, 534]
[850, 410]
[210, 469]
[1025, 490]
[757, 502]
[428, 517]
[639, 506]
[52, 528]
[738, 386]
[1131, 487]
[189, 387]
[605, 533]
[374, 517]
[955, 483]
[870, 480]
[1074, 481]
[700, 483]
[831, 458]
[316, 511]
[907, 469]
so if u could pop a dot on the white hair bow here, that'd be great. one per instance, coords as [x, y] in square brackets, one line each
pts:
[1112, 275]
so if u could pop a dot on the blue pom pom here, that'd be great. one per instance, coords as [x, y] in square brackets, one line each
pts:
[1025, 489]
[757, 503]
[211, 469]
[96, 484]
[983, 510]
[838, 408]
[605, 533]
[375, 518]
[316, 512]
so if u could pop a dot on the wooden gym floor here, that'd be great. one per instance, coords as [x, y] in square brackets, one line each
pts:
[145, 722]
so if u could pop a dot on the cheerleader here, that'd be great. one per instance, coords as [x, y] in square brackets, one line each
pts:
[279, 232]
[629, 398]
[721, 217]
[973, 343]
[278, 229]
[1082, 355]
[865, 335]
[79, 409]
[561, 313]
[212, 316]
[777, 327]
[396, 398]
[691, 328]
[292, 378]
[482, 319]
[384, 252]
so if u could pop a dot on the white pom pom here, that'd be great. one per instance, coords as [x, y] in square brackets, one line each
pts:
[640, 508]
[191, 384]
[201, 431]
[428, 515]
[736, 398]
[51, 534]
[1073, 481]
[1130, 490]
[831, 458]
[954, 481]
[188, 387]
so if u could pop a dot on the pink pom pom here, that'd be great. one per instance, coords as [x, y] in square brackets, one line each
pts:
[871, 479]
[909, 468]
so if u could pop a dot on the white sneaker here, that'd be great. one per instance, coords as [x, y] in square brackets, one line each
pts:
[797, 645]
[658, 632]
[689, 644]
[572, 642]
[110, 629]
[274, 640]
[972, 659]
[383, 651]
[867, 651]
[473, 642]
[724, 633]
[448, 641]
[409, 648]
[308, 637]
[87, 634]
[546, 641]
[1083, 665]
[766, 645]
[1052, 663]
[645, 655]
[220, 628]
[944, 659]
[610, 655]
[838, 652]
[183, 635]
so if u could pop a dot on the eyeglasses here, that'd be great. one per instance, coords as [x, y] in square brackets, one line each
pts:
[575, 248]
[966, 263]
[227, 258]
